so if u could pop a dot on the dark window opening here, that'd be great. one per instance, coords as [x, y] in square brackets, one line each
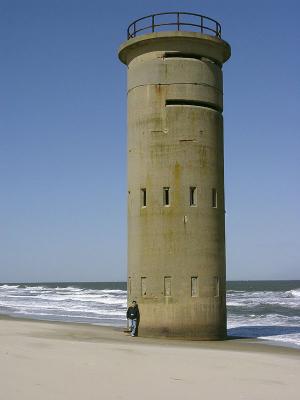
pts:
[166, 196]
[177, 54]
[193, 196]
[214, 199]
[185, 102]
[143, 197]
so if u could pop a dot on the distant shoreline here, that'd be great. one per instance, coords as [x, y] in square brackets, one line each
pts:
[233, 343]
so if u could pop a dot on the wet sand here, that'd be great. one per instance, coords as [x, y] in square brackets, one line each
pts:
[49, 361]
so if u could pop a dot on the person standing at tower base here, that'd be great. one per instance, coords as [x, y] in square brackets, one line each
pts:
[133, 316]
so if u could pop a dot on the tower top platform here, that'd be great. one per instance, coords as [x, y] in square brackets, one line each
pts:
[178, 32]
[179, 21]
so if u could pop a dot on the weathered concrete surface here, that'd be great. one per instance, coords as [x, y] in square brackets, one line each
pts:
[175, 140]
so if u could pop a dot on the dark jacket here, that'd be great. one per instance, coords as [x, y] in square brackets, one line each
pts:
[133, 313]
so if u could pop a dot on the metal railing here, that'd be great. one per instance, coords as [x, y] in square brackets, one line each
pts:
[182, 20]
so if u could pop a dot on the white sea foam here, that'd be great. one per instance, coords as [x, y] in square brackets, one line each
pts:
[272, 315]
[234, 303]
[9, 287]
[64, 303]
[295, 293]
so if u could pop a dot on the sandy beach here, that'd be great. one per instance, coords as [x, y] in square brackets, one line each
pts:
[45, 360]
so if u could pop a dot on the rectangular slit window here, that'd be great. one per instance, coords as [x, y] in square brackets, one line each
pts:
[214, 199]
[129, 285]
[144, 286]
[166, 195]
[194, 286]
[195, 103]
[177, 54]
[143, 197]
[216, 286]
[193, 196]
[167, 286]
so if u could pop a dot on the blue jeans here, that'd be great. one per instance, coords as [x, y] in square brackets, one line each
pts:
[132, 322]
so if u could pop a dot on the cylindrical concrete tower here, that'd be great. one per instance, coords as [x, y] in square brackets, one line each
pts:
[176, 229]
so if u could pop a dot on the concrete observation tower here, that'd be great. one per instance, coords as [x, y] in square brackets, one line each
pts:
[176, 227]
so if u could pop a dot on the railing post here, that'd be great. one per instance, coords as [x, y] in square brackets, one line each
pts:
[152, 23]
[201, 23]
[178, 22]
[134, 30]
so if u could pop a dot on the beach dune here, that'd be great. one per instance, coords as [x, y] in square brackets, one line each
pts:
[43, 360]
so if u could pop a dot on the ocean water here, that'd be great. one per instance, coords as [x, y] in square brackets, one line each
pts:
[268, 310]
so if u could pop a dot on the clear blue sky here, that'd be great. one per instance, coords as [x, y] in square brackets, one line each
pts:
[63, 137]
